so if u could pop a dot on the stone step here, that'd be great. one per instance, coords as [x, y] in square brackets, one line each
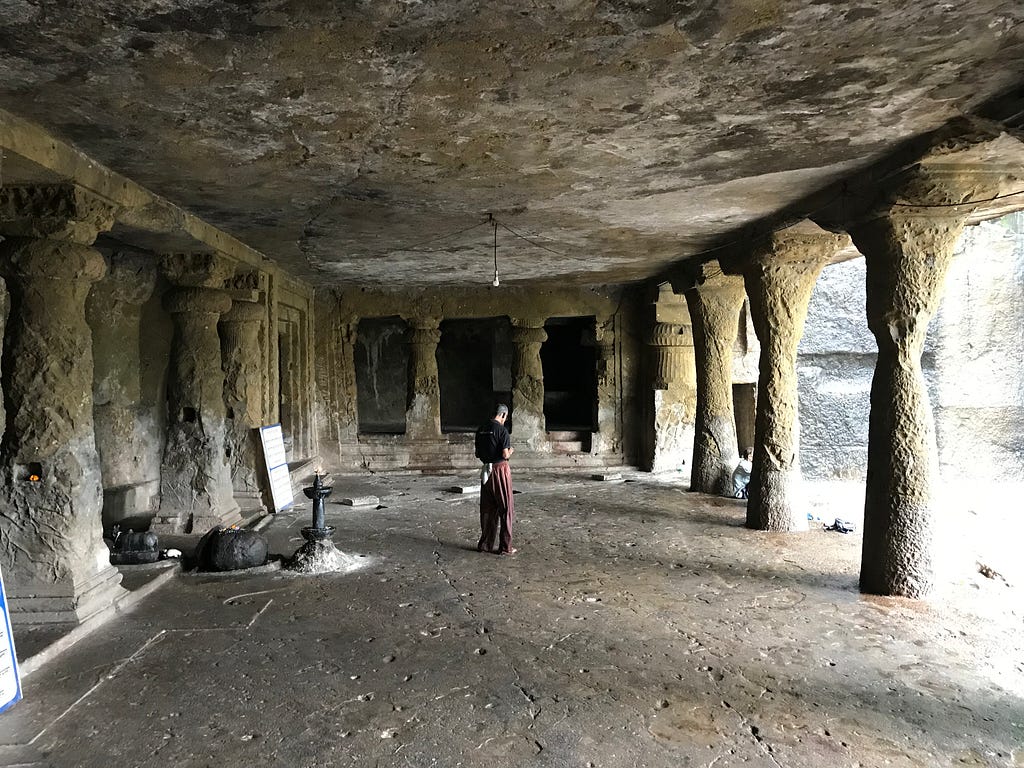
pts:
[566, 446]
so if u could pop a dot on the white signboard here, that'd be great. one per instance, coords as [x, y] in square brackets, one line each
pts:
[10, 680]
[277, 466]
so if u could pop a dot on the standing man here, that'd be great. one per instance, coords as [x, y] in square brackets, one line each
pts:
[493, 448]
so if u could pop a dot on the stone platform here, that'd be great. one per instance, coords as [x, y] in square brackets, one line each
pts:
[639, 625]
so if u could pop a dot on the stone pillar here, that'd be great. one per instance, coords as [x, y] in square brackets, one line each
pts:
[607, 439]
[907, 252]
[127, 433]
[242, 359]
[674, 391]
[55, 563]
[423, 414]
[779, 278]
[195, 479]
[527, 405]
[714, 305]
[337, 417]
[907, 239]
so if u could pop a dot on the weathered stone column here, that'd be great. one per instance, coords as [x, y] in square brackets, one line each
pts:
[527, 405]
[907, 237]
[674, 391]
[779, 278]
[242, 358]
[423, 414]
[907, 251]
[607, 439]
[195, 479]
[56, 565]
[715, 305]
[127, 435]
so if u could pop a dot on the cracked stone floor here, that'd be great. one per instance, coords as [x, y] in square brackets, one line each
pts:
[639, 625]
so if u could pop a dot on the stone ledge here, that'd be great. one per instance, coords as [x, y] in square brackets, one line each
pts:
[125, 603]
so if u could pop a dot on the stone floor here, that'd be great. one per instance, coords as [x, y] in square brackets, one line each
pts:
[639, 625]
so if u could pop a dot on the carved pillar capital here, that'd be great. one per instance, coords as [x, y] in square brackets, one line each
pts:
[669, 342]
[244, 312]
[54, 212]
[130, 278]
[529, 334]
[197, 270]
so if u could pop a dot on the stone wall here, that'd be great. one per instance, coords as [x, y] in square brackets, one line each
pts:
[974, 358]
[345, 317]
[973, 363]
[835, 364]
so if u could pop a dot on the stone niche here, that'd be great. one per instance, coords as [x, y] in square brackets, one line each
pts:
[382, 370]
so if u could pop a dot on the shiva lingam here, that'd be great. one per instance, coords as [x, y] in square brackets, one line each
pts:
[319, 530]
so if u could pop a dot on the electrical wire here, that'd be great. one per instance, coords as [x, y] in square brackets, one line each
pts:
[903, 204]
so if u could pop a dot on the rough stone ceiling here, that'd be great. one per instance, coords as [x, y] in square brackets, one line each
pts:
[620, 136]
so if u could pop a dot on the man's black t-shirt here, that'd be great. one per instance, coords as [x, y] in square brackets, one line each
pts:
[491, 439]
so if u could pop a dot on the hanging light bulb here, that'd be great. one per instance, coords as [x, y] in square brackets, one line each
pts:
[495, 282]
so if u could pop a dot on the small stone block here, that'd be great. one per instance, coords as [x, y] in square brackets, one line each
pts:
[361, 501]
[606, 476]
[475, 488]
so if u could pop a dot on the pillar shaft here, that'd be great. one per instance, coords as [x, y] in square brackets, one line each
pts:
[195, 479]
[55, 563]
[907, 259]
[528, 383]
[127, 432]
[423, 414]
[779, 279]
[242, 359]
[714, 310]
[608, 439]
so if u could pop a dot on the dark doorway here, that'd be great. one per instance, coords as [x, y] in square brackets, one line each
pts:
[382, 374]
[474, 364]
[569, 360]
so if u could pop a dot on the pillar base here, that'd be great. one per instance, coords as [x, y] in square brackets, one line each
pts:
[66, 602]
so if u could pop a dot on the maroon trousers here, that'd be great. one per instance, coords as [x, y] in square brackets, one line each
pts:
[497, 509]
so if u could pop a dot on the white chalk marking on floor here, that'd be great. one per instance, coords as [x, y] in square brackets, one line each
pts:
[260, 612]
[109, 676]
[249, 594]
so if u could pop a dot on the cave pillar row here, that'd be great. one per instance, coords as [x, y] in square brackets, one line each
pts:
[423, 413]
[242, 361]
[528, 425]
[908, 249]
[715, 304]
[55, 564]
[196, 491]
[780, 276]
[673, 384]
[607, 440]
[126, 431]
